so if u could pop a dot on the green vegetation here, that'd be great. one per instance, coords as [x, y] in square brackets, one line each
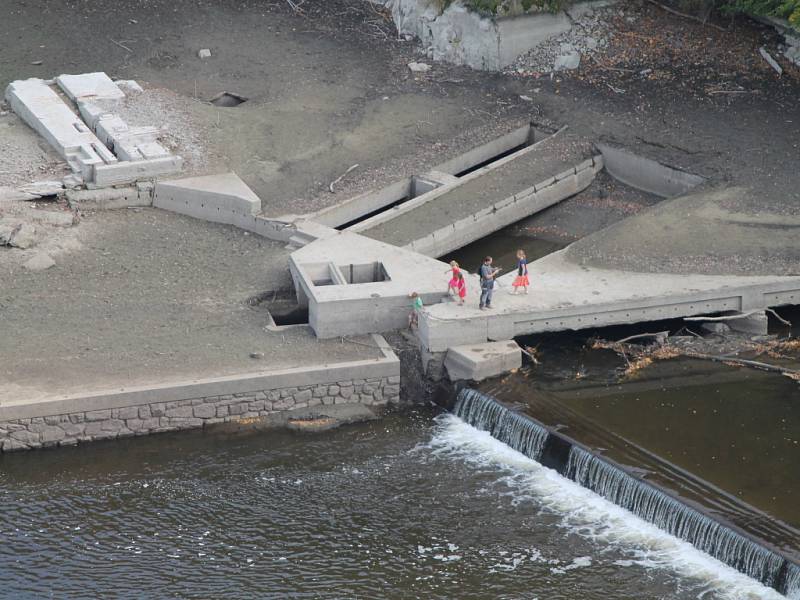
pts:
[495, 7]
[788, 9]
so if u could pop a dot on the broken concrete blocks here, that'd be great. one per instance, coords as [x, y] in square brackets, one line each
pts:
[86, 143]
[480, 361]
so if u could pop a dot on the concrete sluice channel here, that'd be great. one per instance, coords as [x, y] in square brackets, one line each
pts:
[676, 515]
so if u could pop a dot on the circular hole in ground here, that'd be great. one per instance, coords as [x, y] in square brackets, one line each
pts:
[228, 100]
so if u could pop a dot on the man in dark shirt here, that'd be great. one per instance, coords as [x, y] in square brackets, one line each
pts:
[487, 273]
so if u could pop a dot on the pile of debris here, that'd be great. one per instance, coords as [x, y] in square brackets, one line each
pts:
[723, 347]
[33, 232]
[589, 35]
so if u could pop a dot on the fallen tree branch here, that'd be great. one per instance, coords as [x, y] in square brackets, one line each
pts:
[660, 334]
[531, 355]
[725, 317]
[295, 6]
[342, 176]
[685, 16]
[741, 316]
[123, 46]
[793, 373]
[777, 316]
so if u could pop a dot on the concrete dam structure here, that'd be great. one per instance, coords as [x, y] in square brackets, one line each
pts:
[723, 540]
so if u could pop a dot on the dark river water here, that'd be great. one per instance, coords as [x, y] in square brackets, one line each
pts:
[414, 506]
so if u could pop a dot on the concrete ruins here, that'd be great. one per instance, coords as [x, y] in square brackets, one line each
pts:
[100, 148]
[355, 276]
[355, 264]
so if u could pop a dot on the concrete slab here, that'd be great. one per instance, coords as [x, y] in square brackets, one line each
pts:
[124, 172]
[565, 296]
[480, 361]
[97, 97]
[43, 110]
[89, 86]
[222, 198]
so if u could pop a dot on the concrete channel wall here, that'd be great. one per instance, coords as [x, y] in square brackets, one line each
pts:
[410, 187]
[244, 400]
[509, 210]
[646, 174]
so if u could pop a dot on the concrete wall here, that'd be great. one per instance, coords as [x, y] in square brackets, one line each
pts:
[220, 198]
[417, 185]
[484, 152]
[243, 399]
[463, 37]
[363, 204]
[507, 211]
[646, 174]
[340, 308]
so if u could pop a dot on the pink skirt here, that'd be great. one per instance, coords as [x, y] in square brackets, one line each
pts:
[521, 281]
[453, 283]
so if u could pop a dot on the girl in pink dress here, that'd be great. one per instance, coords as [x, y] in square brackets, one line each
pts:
[452, 286]
[461, 287]
[522, 273]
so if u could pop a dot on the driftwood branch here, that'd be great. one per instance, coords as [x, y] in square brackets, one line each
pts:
[741, 316]
[685, 16]
[658, 335]
[342, 176]
[793, 373]
[725, 317]
[530, 355]
[780, 318]
[121, 45]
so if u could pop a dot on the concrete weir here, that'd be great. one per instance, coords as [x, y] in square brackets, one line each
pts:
[703, 527]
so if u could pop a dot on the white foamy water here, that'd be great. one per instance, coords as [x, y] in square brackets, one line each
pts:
[585, 513]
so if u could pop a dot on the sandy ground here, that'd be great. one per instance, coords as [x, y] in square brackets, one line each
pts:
[714, 231]
[151, 297]
[151, 294]
[323, 93]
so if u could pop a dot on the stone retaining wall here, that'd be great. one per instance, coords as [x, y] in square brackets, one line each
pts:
[87, 426]
[248, 399]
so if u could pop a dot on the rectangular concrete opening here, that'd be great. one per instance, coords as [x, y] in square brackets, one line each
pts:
[297, 315]
[382, 208]
[365, 273]
[494, 158]
[321, 274]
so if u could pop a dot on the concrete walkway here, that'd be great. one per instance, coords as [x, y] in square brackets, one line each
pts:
[568, 296]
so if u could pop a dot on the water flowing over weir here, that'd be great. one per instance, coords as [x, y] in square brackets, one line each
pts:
[506, 426]
[647, 502]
